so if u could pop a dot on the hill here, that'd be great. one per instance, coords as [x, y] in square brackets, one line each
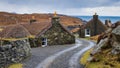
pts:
[12, 18]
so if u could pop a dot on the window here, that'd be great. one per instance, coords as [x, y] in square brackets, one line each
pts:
[44, 42]
[87, 32]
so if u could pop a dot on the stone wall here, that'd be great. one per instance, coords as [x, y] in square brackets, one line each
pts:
[14, 52]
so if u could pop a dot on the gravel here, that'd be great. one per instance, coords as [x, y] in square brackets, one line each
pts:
[63, 60]
[40, 53]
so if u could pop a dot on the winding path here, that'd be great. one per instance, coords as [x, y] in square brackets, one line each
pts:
[61, 56]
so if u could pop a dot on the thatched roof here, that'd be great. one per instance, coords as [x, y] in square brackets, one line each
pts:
[36, 27]
[26, 29]
[91, 23]
[14, 31]
[98, 22]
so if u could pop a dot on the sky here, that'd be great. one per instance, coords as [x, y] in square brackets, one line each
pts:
[67, 7]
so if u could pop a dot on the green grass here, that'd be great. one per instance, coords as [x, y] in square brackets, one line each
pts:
[85, 56]
[17, 65]
[14, 39]
[97, 65]
[106, 60]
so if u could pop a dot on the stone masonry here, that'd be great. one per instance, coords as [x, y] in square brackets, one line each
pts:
[14, 52]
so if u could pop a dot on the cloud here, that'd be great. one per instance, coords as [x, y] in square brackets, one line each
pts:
[64, 3]
[69, 7]
[102, 11]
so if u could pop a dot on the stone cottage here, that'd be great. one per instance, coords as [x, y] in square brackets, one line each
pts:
[51, 32]
[48, 33]
[55, 34]
[14, 44]
[92, 28]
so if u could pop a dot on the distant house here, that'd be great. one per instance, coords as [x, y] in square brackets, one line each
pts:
[92, 27]
[55, 34]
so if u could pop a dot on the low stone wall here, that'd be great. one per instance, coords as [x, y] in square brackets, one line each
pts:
[14, 52]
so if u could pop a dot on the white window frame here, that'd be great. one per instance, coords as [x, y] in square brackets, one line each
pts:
[45, 41]
[86, 33]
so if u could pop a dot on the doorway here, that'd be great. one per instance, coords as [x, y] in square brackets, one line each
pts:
[44, 42]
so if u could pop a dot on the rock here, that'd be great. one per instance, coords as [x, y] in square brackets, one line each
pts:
[116, 48]
[90, 59]
[115, 24]
[104, 35]
[116, 39]
[116, 34]
[97, 48]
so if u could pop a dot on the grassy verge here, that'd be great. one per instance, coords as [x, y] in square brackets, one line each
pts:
[106, 60]
[89, 38]
[85, 56]
[17, 65]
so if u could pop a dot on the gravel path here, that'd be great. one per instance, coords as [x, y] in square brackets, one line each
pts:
[63, 60]
[40, 54]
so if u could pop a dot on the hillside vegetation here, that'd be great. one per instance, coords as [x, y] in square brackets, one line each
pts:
[10, 18]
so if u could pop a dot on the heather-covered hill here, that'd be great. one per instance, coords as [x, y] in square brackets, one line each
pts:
[11, 18]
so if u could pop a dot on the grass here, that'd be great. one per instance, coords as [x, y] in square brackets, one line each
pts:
[102, 65]
[90, 38]
[14, 39]
[17, 65]
[31, 36]
[97, 65]
[85, 56]
[106, 60]
[87, 38]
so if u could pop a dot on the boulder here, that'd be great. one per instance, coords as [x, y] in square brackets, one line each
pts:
[116, 34]
[116, 48]
[116, 39]
[97, 48]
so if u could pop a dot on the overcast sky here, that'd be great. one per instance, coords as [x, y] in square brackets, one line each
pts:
[68, 7]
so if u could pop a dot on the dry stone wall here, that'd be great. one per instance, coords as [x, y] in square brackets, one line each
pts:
[14, 52]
